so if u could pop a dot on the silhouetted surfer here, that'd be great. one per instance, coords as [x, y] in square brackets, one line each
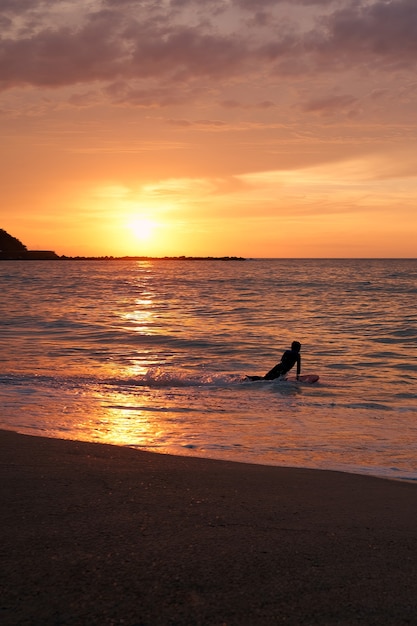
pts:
[288, 360]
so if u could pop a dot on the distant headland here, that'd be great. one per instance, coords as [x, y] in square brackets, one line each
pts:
[11, 249]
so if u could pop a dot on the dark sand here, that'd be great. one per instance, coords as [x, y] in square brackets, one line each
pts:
[99, 535]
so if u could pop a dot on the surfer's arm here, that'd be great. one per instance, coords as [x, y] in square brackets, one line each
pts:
[298, 366]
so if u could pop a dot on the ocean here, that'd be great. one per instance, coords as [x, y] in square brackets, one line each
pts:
[153, 355]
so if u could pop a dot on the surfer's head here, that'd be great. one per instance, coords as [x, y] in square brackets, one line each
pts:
[296, 346]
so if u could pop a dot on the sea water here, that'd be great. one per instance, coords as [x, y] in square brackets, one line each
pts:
[153, 355]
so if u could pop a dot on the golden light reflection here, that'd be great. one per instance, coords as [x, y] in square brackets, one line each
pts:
[130, 424]
[143, 311]
[141, 317]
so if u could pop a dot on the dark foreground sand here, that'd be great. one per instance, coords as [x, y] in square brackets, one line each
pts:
[104, 535]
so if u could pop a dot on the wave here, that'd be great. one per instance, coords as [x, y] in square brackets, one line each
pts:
[373, 406]
[155, 377]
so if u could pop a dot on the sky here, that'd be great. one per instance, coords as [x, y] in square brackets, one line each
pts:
[255, 128]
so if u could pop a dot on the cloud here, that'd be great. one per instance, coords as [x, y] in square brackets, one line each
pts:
[235, 104]
[11, 6]
[62, 56]
[331, 104]
[384, 32]
[52, 44]
[109, 45]
[149, 96]
[188, 52]
[381, 34]
[256, 5]
[200, 124]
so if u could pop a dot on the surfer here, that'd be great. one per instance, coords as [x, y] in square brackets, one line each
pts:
[288, 360]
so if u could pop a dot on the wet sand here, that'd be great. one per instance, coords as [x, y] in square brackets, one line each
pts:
[102, 535]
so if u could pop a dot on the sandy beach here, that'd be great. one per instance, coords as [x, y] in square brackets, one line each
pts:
[99, 535]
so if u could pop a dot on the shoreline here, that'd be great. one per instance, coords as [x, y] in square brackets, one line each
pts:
[100, 534]
[340, 469]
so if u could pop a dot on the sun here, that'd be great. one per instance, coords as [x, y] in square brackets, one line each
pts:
[143, 228]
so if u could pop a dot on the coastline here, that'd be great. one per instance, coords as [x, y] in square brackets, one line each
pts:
[99, 534]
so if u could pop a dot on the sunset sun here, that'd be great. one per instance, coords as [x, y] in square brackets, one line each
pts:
[143, 229]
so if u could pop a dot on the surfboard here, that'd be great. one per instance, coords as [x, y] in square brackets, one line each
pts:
[308, 378]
